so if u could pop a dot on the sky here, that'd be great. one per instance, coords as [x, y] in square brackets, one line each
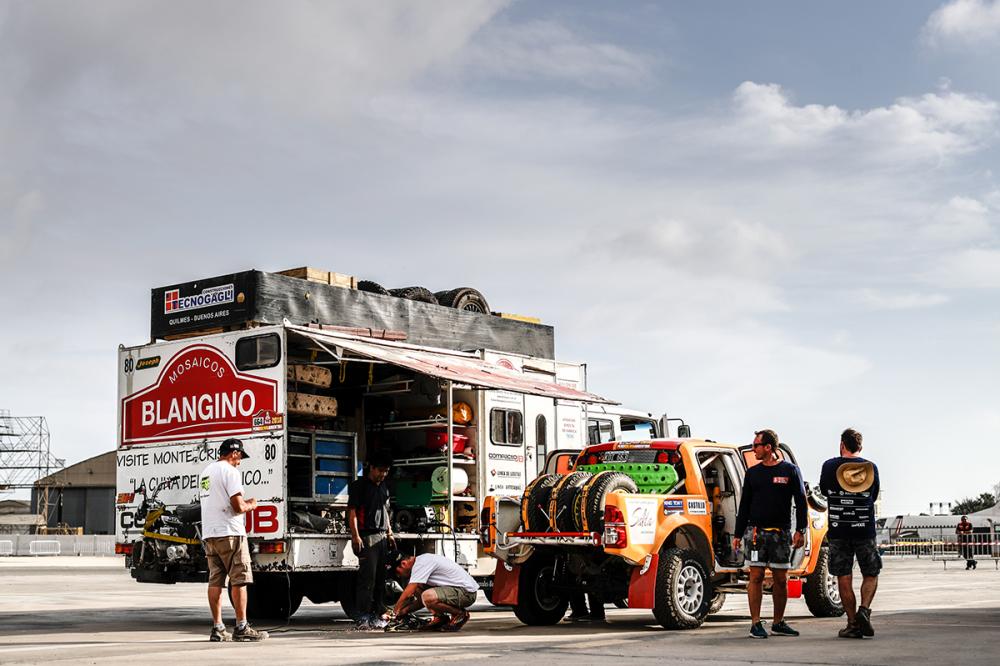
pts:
[747, 215]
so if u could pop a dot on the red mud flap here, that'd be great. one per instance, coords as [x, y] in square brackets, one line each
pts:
[794, 588]
[505, 582]
[642, 587]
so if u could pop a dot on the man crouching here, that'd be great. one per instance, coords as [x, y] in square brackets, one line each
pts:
[440, 585]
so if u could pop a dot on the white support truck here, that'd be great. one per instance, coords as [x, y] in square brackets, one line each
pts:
[310, 400]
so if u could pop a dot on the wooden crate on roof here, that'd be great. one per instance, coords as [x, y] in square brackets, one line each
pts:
[325, 277]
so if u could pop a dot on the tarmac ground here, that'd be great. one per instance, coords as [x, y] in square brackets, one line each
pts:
[88, 611]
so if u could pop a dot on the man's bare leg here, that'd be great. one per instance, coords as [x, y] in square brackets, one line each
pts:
[239, 595]
[755, 592]
[846, 586]
[779, 593]
[215, 604]
[868, 586]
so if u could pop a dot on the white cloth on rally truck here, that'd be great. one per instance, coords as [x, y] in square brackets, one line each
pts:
[218, 483]
[438, 571]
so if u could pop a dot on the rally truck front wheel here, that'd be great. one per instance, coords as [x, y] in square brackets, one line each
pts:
[683, 590]
[537, 603]
[271, 597]
[717, 602]
[820, 590]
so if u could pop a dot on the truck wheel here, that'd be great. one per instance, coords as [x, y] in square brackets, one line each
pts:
[537, 603]
[561, 501]
[718, 599]
[683, 590]
[463, 298]
[414, 294]
[535, 502]
[589, 512]
[820, 590]
[270, 598]
[372, 287]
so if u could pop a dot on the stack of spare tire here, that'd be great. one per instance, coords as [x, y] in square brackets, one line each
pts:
[571, 502]
[462, 298]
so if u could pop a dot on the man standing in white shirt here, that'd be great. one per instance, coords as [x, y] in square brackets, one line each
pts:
[225, 540]
[436, 582]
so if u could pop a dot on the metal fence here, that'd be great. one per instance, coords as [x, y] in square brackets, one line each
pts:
[23, 545]
[969, 548]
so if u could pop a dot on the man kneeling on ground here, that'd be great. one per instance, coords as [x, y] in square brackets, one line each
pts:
[439, 584]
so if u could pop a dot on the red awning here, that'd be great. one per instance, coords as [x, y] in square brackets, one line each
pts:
[460, 367]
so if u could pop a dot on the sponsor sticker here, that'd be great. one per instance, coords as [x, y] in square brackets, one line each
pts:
[641, 520]
[174, 302]
[673, 506]
[144, 363]
[265, 420]
[697, 507]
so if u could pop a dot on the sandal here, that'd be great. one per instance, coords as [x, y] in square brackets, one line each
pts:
[457, 622]
[436, 623]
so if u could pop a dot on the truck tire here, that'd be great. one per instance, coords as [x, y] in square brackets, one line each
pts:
[820, 589]
[561, 501]
[589, 502]
[463, 298]
[271, 597]
[535, 503]
[372, 287]
[718, 599]
[683, 590]
[537, 604]
[418, 294]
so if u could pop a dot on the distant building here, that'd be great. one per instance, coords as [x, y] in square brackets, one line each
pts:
[16, 517]
[81, 495]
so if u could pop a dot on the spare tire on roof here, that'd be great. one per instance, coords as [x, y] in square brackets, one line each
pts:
[414, 294]
[464, 298]
[372, 287]
[589, 502]
[535, 503]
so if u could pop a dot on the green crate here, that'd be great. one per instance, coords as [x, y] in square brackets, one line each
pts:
[412, 493]
[650, 477]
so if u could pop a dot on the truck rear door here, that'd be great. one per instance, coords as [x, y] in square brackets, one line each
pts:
[178, 400]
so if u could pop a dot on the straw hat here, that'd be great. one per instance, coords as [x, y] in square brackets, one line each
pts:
[856, 477]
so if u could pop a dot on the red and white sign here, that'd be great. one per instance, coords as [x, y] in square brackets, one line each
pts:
[199, 393]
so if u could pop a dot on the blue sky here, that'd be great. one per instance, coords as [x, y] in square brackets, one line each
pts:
[747, 214]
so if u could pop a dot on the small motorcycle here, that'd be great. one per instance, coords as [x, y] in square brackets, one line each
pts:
[170, 549]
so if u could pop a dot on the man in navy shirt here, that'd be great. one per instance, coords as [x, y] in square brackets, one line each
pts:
[764, 520]
[851, 486]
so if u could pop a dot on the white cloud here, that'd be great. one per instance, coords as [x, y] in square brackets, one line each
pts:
[974, 268]
[964, 23]
[933, 127]
[545, 50]
[877, 299]
[960, 221]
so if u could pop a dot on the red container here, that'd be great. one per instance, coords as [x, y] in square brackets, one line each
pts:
[438, 441]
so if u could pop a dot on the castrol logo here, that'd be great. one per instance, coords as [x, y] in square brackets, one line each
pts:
[199, 393]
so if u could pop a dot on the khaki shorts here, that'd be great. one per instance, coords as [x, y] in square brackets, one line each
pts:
[455, 596]
[228, 556]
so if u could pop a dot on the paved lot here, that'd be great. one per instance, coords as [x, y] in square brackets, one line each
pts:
[87, 610]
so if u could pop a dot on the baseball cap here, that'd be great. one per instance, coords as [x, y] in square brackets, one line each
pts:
[230, 445]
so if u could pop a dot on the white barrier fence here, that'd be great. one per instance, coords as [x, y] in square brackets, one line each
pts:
[34, 545]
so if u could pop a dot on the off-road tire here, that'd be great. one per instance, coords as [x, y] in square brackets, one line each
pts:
[269, 597]
[683, 590]
[820, 589]
[372, 287]
[561, 501]
[536, 605]
[414, 294]
[535, 503]
[464, 298]
[718, 600]
[588, 505]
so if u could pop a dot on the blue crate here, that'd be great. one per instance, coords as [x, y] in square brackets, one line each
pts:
[331, 485]
[328, 448]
